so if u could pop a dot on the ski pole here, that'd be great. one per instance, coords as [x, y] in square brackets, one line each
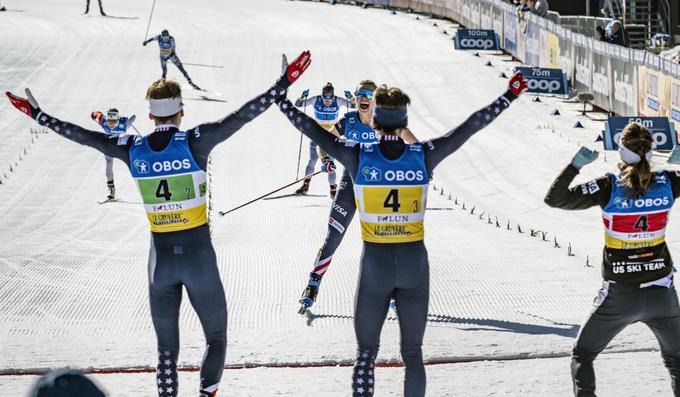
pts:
[297, 170]
[203, 65]
[223, 213]
[136, 130]
[146, 35]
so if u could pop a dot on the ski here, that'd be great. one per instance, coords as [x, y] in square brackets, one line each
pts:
[293, 195]
[197, 88]
[113, 200]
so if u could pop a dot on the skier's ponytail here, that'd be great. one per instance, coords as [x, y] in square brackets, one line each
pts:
[636, 176]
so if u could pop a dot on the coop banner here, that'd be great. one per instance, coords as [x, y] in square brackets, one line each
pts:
[545, 80]
[661, 128]
[476, 39]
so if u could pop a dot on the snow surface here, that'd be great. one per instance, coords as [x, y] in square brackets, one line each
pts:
[73, 280]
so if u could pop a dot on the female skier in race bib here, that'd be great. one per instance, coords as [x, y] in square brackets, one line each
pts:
[391, 179]
[636, 266]
[169, 166]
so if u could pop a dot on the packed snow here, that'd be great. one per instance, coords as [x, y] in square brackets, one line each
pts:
[505, 306]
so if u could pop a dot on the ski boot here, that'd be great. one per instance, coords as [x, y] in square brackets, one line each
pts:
[112, 191]
[309, 294]
[194, 86]
[334, 189]
[204, 393]
[304, 188]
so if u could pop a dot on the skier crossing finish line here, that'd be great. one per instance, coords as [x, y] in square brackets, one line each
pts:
[169, 166]
[390, 185]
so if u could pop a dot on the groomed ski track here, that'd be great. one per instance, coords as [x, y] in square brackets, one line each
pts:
[505, 306]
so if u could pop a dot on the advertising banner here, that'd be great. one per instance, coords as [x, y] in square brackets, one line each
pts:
[566, 52]
[622, 69]
[544, 80]
[654, 92]
[510, 34]
[533, 44]
[661, 128]
[550, 50]
[476, 39]
[675, 101]
[600, 80]
[582, 65]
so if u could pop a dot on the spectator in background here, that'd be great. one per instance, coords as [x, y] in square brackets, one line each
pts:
[65, 383]
[612, 33]
[538, 7]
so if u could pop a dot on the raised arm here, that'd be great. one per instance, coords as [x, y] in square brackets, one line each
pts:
[206, 136]
[116, 147]
[305, 100]
[579, 197]
[347, 155]
[149, 40]
[440, 148]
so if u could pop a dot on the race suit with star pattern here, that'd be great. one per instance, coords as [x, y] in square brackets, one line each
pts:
[392, 269]
[184, 257]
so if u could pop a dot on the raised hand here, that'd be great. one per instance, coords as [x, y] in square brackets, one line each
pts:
[295, 69]
[28, 106]
[583, 157]
[517, 84]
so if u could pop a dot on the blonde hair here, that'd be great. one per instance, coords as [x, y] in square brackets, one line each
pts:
[636, 177]
[164, 89]
[370, 84]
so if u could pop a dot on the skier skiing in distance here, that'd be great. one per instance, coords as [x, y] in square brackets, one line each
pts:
[166, 43]
[354, 126]
[87, 7]
[326, 109]
[391, 209]
[113, 126]
[637, 267]
[169, 166]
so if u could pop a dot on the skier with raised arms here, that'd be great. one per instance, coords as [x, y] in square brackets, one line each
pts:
[113, 125]
[326, 109]
[166, 43]
[636, 263]
[354, 126]
[391, 179]
[169, 166]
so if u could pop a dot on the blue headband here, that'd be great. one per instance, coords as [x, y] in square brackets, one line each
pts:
[390, 118]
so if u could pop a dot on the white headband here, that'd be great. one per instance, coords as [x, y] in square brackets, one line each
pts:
[630, 157]
[165, 107]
